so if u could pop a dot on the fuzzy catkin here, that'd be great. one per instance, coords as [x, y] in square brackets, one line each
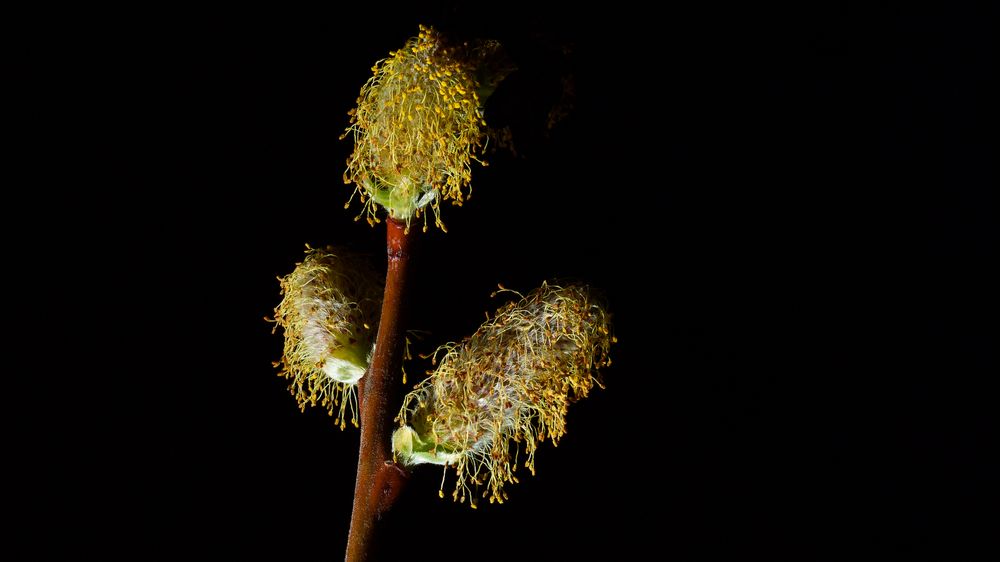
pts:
[416, 128]
[329, 314]
[507, 386]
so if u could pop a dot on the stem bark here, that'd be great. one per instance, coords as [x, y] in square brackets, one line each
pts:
[379, 479]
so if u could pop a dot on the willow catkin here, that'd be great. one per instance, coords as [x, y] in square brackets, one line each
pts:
[507, 386]
[329, 315]
[417, 126]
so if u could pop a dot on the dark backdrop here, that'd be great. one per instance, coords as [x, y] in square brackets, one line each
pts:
[787, 210]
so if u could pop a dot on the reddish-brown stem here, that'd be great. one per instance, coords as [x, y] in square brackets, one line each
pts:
[379, 480]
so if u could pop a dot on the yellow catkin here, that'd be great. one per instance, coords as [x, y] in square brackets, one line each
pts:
[415, 131]
[506, 388]
[329, 314]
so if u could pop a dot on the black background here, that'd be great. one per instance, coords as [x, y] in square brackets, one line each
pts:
[788, 211]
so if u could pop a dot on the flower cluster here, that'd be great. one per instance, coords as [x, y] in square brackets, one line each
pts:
[329, 315]
[507, 386]
[416, 127]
